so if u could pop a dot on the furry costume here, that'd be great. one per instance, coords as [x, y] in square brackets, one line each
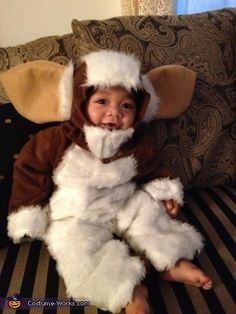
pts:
[75, 185]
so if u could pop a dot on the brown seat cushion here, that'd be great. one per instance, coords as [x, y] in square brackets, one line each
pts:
[27, 269]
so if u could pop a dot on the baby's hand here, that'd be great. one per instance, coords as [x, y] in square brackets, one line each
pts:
[172, 208]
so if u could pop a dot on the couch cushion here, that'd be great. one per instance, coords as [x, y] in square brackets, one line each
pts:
[45, 48]
[200, 145]
[198, 41]
[27, 269]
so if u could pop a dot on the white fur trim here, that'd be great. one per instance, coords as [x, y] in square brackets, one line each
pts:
[110, 68]
[165, 189]
[66, 92]
[152, 109]
[28, 221]
[95, 267]
[104, 143]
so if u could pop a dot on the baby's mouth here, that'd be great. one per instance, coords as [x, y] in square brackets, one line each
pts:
[110, 126]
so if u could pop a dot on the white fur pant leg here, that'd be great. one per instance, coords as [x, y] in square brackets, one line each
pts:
[94, 266]
[151, 231]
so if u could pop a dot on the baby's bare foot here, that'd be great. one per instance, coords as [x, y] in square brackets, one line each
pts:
[188, 273]
[139, 304]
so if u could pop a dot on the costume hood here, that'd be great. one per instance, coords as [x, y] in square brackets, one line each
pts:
[105, 69]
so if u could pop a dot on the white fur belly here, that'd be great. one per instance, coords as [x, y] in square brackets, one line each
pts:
[90, 189]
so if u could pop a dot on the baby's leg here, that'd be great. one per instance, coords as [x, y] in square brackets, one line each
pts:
[151, 230]
[140, 303]
[94, 266]
[188, 273]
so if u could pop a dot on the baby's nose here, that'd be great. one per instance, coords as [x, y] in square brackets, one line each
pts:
[114, 112]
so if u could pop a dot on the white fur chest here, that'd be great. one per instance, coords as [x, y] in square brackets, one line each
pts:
[89, 189]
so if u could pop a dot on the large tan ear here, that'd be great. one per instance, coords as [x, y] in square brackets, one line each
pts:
[41, 91]
[174, 86]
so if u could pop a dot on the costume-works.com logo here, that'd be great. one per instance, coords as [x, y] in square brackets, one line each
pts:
[14, 302]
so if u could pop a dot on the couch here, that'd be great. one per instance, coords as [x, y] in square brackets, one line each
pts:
[199, 147]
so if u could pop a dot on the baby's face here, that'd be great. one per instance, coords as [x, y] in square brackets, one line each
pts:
[112, 108]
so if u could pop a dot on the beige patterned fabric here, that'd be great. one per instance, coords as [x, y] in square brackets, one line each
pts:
[47, 48]
[140, 7]
[199, 146]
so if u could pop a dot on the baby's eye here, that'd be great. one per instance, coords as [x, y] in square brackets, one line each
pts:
[101, 101]
[128, 106]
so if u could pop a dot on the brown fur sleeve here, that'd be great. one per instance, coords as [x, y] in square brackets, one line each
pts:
[32, 176]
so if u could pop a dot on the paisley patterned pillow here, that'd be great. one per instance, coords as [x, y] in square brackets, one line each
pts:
[198, 41]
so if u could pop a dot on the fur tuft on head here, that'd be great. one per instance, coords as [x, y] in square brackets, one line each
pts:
[107, 68]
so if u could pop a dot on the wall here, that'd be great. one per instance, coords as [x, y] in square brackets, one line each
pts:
[25, 20]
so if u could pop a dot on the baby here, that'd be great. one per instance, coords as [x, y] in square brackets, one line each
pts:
[113, 109]
[95, 175]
